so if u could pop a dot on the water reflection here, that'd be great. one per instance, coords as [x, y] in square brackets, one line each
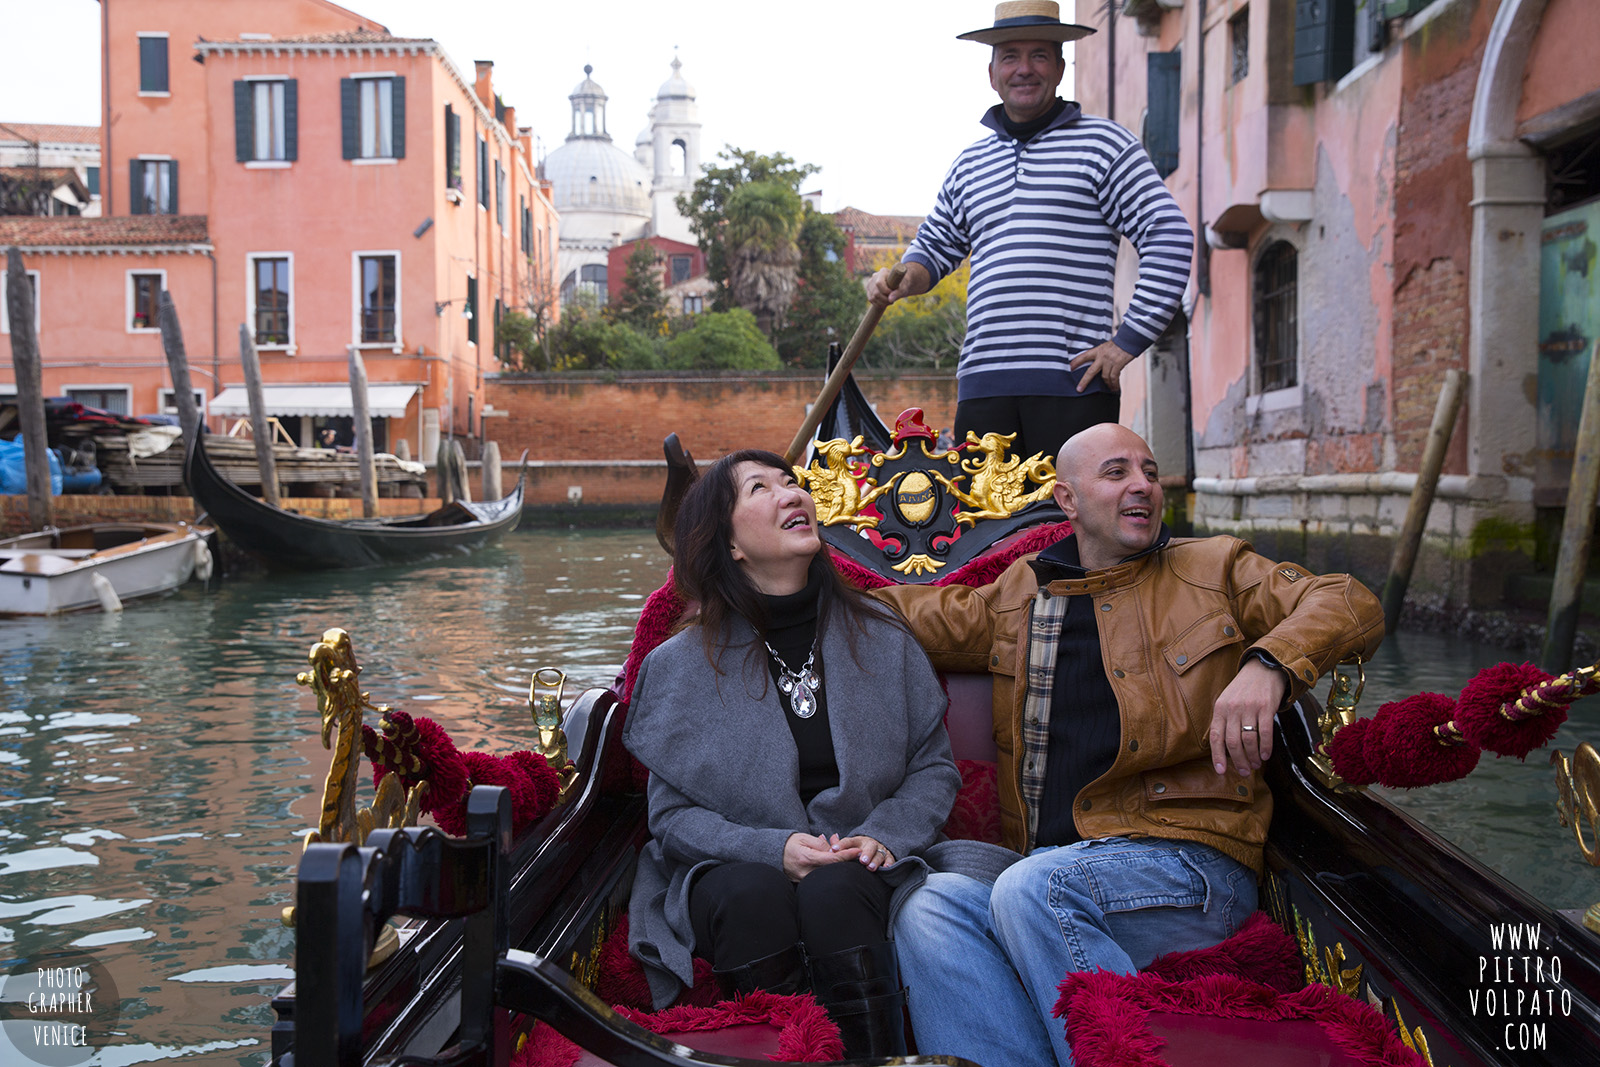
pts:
[158, 768]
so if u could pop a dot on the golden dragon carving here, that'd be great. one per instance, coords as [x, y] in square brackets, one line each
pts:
[836, 484]
[999, 486]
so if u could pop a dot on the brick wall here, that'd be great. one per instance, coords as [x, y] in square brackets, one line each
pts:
[626, 416]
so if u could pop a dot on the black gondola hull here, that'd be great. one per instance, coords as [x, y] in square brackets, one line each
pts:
[287, 540]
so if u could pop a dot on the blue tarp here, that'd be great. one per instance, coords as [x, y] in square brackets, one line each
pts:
[14, 476]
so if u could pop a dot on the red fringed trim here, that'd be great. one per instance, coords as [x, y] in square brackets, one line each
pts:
[805, 1033]
[621, 979]
[1261, 950]
[546, 1047]
[1347, 751]
[1407, 752]
[1480, 717]
[662, 610]
[1107, 1024]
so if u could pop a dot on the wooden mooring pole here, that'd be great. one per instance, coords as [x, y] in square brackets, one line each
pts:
[1577, 531]
[30, 392]
[178, 365]
[1405, 550]
[363, 429]
[258, 416]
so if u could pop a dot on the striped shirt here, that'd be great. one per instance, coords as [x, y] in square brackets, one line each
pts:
[1042, 221]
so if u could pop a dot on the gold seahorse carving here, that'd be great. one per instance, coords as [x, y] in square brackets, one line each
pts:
[840, 485]
[1000, 487]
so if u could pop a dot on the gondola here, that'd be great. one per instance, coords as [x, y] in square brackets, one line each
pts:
[508, 938]
[288, 540]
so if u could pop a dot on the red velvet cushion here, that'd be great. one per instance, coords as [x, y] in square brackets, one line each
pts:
[976, 814]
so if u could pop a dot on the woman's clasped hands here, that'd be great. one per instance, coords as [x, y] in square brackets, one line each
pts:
[804, 853]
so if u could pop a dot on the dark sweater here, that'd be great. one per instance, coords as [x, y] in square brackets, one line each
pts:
[792, 631]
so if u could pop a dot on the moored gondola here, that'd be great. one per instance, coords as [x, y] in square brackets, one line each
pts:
[293, 541]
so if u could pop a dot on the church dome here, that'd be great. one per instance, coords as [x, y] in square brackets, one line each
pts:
[675, 87]
[590, 174]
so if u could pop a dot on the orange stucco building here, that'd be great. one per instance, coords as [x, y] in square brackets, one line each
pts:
[1375, 185]
[291, 167]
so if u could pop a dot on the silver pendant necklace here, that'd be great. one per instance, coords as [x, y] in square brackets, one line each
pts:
[799, 686]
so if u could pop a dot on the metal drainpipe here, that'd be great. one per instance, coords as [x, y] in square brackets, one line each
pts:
[107, 179]
[1202, 273]
[216, 345]
[1111, 60]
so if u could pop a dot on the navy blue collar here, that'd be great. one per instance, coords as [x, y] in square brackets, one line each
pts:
[995, 119]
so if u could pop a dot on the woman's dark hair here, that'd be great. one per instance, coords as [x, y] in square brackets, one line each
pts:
[706, 573]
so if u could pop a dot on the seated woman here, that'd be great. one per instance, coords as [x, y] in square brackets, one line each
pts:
[799, 767]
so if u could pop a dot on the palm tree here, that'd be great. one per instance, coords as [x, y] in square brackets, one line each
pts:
[763, 223]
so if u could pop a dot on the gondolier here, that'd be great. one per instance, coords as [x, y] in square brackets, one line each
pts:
[1040, 205]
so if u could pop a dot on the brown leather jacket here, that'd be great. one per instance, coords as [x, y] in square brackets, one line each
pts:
[1174, 627]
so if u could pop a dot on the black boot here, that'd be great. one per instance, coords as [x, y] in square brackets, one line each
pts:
[860, 988]
[782, 972]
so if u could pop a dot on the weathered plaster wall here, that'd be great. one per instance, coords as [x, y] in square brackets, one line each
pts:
[1561, 66]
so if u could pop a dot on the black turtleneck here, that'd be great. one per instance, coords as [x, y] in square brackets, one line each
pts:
[792, 631]
[1026, 131]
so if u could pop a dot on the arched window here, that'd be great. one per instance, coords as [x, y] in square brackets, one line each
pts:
[1277, 302]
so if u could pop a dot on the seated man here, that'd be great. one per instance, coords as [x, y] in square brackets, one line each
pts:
[1135, 681]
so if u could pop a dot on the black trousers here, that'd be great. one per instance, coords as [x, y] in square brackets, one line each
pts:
[746, 911]
[1041, 423]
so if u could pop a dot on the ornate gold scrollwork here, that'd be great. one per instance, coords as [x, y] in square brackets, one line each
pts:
[999, 486]
[920, 563]
[334, 678]
[1328, 969]
[842, 489]
[1578, 805]
[1414, 1039]
[1344, 694]
[545, 707]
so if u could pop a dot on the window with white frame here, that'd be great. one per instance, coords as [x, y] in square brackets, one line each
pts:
[266, 120]
[153, 63]
[144, 300]
[167, 401]
[112, 398]
[270, 299]
[377, 297]
[153, 186]
[5, 302]
[373, 116]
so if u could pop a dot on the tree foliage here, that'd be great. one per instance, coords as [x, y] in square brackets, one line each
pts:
[760, 232]
[924, 331]
[518, 333]
[641, 304]
[829, 302]
[584, 340]
[721, 340]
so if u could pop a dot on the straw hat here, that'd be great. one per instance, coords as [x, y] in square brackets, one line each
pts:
[1027, 20]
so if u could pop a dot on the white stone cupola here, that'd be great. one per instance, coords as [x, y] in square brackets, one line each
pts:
[675, 152]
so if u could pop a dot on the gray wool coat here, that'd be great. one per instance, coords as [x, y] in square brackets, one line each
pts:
[724, 775]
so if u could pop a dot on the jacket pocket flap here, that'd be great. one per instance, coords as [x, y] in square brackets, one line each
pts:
[1197, 780]
[1210, 633]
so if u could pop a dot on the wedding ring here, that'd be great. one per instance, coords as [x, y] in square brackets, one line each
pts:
[1248, 729]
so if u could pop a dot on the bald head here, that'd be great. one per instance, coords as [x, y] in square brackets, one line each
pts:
[1086, 449]
[1108, 485]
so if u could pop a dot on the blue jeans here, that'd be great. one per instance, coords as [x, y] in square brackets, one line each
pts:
[983, 963]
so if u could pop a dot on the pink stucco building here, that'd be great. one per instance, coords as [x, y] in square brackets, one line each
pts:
[291, 167]
[1375, 184]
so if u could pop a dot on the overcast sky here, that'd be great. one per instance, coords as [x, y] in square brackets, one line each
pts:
[880, 95]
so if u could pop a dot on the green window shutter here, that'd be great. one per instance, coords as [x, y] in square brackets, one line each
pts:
[1324, 40]
[244, 124]
[174, 203]
[350, 115]
[1163, 71]
[452, 149]
[136, 187]
[472, 306]
[399, 116]
[291, 119]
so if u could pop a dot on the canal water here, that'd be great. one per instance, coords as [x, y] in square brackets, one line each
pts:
[159, 767]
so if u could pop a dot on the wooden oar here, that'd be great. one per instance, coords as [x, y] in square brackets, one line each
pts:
[835, 382]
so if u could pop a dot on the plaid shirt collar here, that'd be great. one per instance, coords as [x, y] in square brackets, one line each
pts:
[1058, 562]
